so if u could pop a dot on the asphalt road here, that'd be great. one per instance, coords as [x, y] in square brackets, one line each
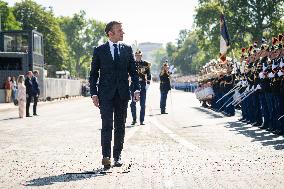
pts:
[191, 147]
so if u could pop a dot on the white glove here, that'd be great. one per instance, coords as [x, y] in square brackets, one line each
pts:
[244, 84]
[258, 87]
[281, 63]
[280, 73]
[261, 75]
[239, 83]
[271, 75]
[247, 89]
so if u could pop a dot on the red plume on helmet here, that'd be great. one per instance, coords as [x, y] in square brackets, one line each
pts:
[243, 50]
[280, 38]
[274, 41]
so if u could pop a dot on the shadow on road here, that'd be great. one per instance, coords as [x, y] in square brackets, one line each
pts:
[266, 138]
[208, 111]
[67, 177]
[10, 118]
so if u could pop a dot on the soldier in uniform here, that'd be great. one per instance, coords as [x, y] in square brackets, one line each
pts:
[144, 74]
[165, 86]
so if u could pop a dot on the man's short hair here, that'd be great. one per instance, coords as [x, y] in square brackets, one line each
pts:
[35, 72]
[29, 72]
[110, 25]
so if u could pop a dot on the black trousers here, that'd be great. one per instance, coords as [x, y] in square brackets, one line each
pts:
[35, 104]
[29, 100]
[113, 108]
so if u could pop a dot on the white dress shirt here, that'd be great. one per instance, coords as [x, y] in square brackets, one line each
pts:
[111, 48]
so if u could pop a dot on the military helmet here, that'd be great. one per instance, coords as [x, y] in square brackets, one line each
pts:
[138, 52]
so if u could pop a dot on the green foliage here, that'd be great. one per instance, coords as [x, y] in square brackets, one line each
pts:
[189, 56]
[8, 20]
[68, 41]
[247, 21]
[160, 57]
[34, 16]
[81, 35]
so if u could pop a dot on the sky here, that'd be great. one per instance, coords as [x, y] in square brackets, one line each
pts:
[157, 21]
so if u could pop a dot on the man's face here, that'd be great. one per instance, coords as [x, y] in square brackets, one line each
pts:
[30, 75]
[138, 57]
[116, 34]
[166, 67]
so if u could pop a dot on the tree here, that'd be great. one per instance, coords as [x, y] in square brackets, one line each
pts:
[8, 20]
[182, 37]
[184, 58]
[160, 57]
[34, 16]
[82, 35]
[247, 21]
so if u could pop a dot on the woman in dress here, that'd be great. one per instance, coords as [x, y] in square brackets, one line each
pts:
[22, 96]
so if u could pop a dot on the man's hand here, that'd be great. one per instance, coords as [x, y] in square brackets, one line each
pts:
[96, 101]
[136, 96]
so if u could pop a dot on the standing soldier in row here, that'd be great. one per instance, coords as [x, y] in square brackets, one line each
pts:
[165, 86]
[144, 74]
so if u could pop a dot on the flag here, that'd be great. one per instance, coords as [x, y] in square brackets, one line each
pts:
[224, 38]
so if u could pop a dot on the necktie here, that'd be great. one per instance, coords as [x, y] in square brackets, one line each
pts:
[116, 56]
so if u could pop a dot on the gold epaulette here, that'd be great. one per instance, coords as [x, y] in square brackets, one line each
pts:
[148, 64]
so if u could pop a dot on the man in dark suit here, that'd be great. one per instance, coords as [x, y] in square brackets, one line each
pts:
[112, 63]
[29, 91]
[36, 91]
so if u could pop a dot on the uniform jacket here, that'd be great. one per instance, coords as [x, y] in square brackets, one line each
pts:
[165, 84]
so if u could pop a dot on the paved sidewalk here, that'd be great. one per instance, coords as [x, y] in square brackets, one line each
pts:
[7, 107]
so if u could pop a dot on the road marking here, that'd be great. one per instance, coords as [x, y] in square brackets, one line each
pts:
[174, 136]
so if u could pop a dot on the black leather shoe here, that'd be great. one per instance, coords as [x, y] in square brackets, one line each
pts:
[117, 162]
[29, 116]
[241, 119]
[163, 112]
[133, 122]
[141, 123]
[35, 114]
[106, 163]
[264, 126]
[256, 124]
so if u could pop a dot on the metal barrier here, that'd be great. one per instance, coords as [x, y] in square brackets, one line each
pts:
[2, 95]
[57, 88]
[187, 87]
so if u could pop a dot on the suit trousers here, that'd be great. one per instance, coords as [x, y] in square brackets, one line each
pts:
[28, 103]
[35, 104]
[113, 108]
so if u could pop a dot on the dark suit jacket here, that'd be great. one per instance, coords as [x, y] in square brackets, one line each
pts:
[29, 87]
[112, 76]
[36, 89]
